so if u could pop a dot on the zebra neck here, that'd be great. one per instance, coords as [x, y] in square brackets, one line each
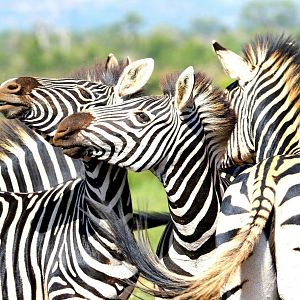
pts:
[194, 191]
[277, 142]
[192, 184]
[107, 185]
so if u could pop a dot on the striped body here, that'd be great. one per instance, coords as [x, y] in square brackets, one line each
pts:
[28, 163]
[52, 249]
[275, 183]
[265, 98]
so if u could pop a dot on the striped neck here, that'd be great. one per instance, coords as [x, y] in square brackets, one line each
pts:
[190, 178]
[107, 185]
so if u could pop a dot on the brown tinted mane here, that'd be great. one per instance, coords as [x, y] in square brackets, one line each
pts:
[214, 110]
[263, 47]
[280, 49]
[12, 134]
[168, 83]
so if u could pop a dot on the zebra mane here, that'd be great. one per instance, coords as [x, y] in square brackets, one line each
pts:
[17, 141]
[264, 47]
[217, 116]
[13, 134]
[100, 73]
[281, 49]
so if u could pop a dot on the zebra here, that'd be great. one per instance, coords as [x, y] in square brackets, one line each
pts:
[24, 156]
[22, 160]
[266, 93]
[265, 97]
[76, 260]
[267, 81]
[180, 137]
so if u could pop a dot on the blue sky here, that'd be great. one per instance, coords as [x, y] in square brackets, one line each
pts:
[85, 14]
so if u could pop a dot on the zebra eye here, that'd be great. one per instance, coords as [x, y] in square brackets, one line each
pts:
[84, 93]
[142, 117]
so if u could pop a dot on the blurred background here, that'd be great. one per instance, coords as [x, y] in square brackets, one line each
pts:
[54, 38]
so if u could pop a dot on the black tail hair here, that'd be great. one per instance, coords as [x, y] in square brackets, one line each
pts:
[140, 254]
[149, 220]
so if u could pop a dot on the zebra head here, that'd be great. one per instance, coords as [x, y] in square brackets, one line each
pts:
[265, 97]
[42, 103]
[152, 131]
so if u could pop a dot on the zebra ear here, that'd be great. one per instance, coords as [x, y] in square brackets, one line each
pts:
[184, 89]
[111, 62]
[127, 61]
[234, 65]
[134, 77]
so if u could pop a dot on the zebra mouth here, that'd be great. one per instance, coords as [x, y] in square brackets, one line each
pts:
[75, 151]
[12, 105]
[12, 110]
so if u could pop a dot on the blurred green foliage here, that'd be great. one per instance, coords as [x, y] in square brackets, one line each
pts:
[56, 53]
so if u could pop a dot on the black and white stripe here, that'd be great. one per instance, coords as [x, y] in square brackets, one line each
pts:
[266, 100]
[52, 249]
[75, 209]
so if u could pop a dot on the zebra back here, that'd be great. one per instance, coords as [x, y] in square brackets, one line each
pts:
[28, 163]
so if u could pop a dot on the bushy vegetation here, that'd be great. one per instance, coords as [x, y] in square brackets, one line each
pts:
[49, 52]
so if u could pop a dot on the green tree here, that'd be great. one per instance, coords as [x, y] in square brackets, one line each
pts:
[269, 15]
[207, 27]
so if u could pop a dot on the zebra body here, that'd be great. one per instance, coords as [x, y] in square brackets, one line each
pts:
[45, 105]
[275, 183]
[265, 98]
[28, 163]
[51, 248]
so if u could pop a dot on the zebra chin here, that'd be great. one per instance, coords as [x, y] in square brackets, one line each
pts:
[77, 152]
[84, 153]
[11, 111]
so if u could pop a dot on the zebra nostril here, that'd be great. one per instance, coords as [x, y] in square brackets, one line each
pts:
[63, 134]
[12, 88]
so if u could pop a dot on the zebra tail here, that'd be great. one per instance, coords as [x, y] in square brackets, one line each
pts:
[151, 220]
[139, 253]
[231, 255]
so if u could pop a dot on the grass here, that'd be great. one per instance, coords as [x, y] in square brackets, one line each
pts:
[147, 195]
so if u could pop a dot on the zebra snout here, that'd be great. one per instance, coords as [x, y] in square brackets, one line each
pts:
[11, 88]
[71, 126]
[19, 86]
